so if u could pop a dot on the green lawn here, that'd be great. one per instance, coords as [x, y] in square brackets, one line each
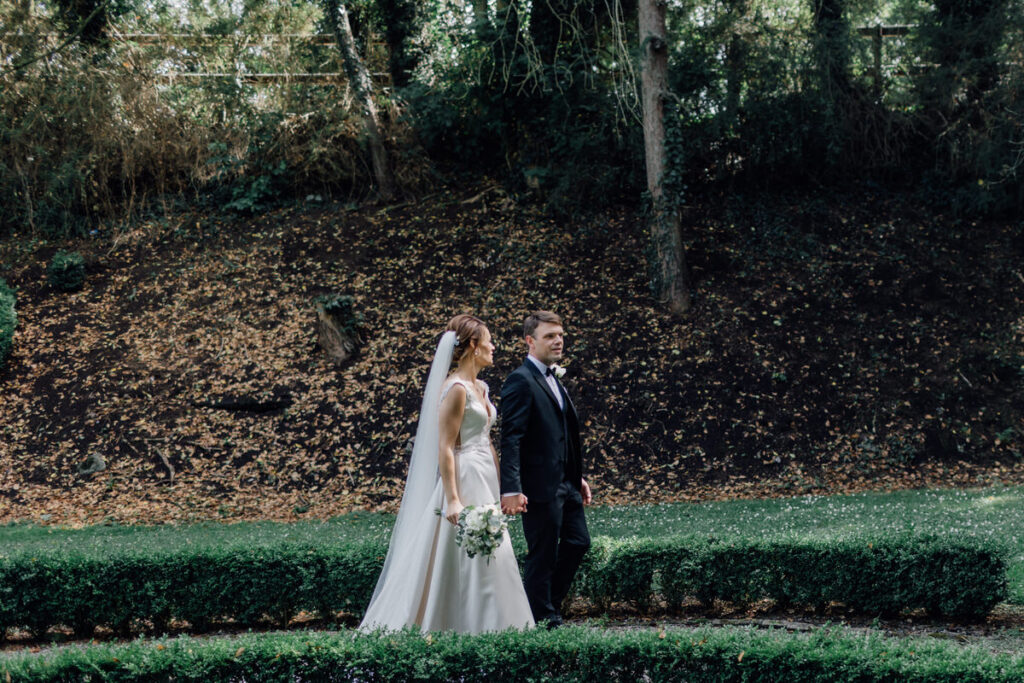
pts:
[996, 513]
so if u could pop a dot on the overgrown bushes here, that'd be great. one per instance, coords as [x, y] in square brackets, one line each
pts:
[94, 133]
[569, 654]
[122, 589]
[8, 320]
[768, 93]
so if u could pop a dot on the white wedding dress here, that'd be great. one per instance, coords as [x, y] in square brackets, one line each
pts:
[436, 586]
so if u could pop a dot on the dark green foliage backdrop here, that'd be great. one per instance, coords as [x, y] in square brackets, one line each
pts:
[768, 94]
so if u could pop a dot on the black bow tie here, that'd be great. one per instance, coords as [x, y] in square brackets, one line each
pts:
[550, 372]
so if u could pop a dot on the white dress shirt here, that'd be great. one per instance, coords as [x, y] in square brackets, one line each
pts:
[550, 379]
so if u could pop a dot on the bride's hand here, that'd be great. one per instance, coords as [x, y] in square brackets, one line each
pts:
[452, 514]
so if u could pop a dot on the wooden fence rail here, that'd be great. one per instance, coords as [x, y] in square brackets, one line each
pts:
[876, 33]
[234, 39]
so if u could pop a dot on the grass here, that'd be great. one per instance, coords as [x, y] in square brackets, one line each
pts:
[993, 513]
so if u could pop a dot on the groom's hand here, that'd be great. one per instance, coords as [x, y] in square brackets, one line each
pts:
[585, 492]
[513, 504]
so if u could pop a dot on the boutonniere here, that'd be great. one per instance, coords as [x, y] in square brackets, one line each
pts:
[559, 371]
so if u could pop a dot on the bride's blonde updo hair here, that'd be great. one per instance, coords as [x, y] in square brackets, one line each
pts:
[467, 328]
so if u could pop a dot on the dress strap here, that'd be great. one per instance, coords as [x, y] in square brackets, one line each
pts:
[452, 382]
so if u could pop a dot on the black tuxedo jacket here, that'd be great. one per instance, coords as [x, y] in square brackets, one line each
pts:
[540, 443]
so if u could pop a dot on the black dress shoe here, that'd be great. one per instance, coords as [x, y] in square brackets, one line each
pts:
[553, 623]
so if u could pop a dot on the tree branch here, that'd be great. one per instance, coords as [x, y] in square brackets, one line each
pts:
[70, 39]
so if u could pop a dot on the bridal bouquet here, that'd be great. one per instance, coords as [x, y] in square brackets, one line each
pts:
[481, 529]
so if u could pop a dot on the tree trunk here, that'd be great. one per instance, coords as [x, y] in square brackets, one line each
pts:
[359, 77]
[401, 25]
[668, 267]
[481, 22]
[735, 60]
[336, 328]
[546, 28]
[832, 45]
[507, 24]
[507, 21]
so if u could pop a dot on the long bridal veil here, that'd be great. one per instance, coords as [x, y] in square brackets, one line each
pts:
[396, 600]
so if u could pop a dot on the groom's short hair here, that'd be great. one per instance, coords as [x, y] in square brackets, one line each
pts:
[536, 318]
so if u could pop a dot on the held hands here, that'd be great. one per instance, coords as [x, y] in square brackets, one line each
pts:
[585, 493]
[452, 513]
[513, 504]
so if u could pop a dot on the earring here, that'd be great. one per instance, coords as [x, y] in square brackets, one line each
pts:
[476, 353]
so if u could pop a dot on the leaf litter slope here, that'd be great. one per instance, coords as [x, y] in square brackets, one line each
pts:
[835, 346]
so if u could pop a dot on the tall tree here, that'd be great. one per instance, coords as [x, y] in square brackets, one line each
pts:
[508, 19]
[668, 266]
[832, 45]
[735, 58]
[481, 21]
[547, 25]
[402, 21]
[358, 76]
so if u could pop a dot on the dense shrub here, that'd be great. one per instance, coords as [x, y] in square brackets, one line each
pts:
[121, 589]
[274, 582]
[93, 133]
[971, 100]
[66, 271]
[881, 576]
[545, 113]
[542, 95]
[8, 320]
[569, 654]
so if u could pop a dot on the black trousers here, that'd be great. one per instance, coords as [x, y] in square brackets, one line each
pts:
[557, 538]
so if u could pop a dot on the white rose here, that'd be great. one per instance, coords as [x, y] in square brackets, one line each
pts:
[475, 520]
[559, 371]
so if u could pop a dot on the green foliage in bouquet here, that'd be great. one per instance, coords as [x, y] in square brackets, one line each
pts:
[66, 271]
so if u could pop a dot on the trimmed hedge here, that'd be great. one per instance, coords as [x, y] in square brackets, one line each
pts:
[8, 320]
[272, 582]
[959, 578]
[948, 577]
[66, 271]
[568, 654]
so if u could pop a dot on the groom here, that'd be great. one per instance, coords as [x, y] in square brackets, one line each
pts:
[542, 469]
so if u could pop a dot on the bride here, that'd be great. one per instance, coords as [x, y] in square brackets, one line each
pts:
[428, 581]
